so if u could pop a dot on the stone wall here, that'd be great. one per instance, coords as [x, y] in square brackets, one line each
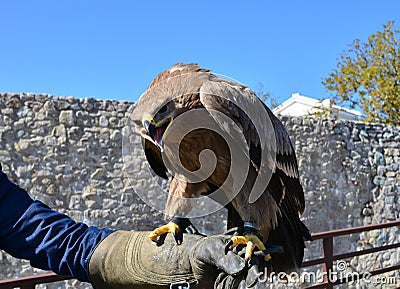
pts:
[67, 152]
[346, 167]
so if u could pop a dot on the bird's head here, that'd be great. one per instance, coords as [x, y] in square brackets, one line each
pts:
[170, 94]
[155, 126]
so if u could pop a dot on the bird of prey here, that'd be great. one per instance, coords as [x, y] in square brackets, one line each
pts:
[271, 216]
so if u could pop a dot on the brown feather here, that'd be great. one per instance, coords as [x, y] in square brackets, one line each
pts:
[197, 88]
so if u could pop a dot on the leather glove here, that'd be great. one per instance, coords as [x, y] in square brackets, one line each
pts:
[254, 276]
[128, 259]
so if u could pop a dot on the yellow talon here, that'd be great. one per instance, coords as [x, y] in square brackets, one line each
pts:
[249, 250]
[168, 228]
[239, 240]
[251, 241]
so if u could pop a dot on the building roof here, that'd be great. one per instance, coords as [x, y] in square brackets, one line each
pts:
[300, 105]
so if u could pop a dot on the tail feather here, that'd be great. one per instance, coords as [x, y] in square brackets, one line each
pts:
[292, 240]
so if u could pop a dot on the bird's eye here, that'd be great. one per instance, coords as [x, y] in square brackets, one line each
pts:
[163, 109]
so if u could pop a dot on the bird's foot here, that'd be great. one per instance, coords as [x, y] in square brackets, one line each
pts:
[158, 235]
[251, 241]
[176, 227]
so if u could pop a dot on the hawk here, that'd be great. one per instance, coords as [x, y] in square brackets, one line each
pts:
[202, 99]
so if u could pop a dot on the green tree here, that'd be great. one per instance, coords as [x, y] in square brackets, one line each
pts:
[368, 76]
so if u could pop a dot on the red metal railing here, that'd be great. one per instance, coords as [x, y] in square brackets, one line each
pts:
[29, 282]
[328, 257]
[327, 260]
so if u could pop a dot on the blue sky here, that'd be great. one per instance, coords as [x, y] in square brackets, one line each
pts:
[113, 49]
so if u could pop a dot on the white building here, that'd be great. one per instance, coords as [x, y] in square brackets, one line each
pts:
[300, 105]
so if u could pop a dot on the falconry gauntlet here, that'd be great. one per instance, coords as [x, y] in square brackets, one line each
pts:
[127, 259]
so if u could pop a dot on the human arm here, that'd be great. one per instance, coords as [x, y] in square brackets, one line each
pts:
[48, 239]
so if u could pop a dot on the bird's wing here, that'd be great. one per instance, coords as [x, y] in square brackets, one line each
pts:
[268, 142]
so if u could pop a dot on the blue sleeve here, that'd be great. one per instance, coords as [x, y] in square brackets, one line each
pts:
[48, 239]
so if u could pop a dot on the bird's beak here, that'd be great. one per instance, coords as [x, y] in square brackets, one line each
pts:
[149, 124]
[155, 131]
